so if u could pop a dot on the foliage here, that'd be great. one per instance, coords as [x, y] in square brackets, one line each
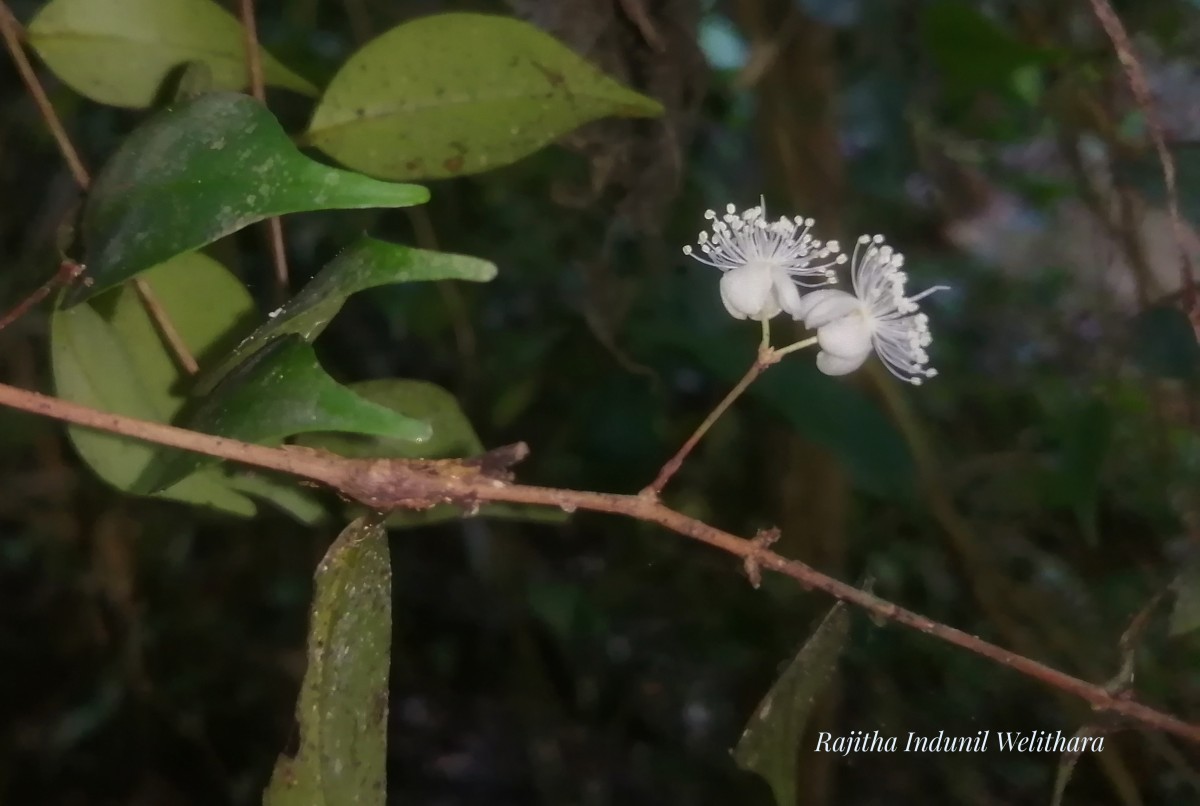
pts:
[1038, 492]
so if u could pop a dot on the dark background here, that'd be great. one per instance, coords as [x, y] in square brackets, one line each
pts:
[1038, 493]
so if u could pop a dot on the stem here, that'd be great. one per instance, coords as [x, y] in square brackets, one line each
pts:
[1145, 100]
[68, 270]
[766, 357]
[292, 461]
[673, 464]
[258, 89]
[165, 327]
[12, 32]
[397, 483]
[791, 348]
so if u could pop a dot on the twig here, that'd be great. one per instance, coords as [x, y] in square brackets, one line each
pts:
[675, 462]
[1141, 92]
[258, 90]
[12, 32]
[69, 270]
[385, 484]
[253, 58]
[166, 328]
[767, 357]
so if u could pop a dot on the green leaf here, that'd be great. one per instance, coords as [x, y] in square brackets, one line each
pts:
[119, 52]
[279, 392]
[109, 355]
[92, 366]
[343, 707]
[1068, 761]
[451, 434]
[770, 745]
[452, 437]
[283, 493]
[367, 264]
[205, 168]
[456, 94]
[1164, 344]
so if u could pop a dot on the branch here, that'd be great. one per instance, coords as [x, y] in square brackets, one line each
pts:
[1145, 100]
[69, 271]
[385, 484]
[166, 328]
[258, 89]
[12, 32]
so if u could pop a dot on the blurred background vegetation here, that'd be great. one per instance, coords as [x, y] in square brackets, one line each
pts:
[1039, 493]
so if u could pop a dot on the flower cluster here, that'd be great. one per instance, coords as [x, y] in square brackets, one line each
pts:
[764, 261]
[765, 264]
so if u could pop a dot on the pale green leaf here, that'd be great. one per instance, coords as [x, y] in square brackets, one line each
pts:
[92, 366]
[108, 354]
[456, 94]
[118, 52]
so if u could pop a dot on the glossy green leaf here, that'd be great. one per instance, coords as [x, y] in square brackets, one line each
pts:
[1164, 344]
[109, 355]
[343, 706]
[277, 393]
[451, 433]
[456, 94]
[204, 168]
[367, 264]
[210, 308]
[770, 745]
[453, 436]
[119, 52]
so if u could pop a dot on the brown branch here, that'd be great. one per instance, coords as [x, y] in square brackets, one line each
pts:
[1145, 100]
[166, 328]
[385, 484]
[258, 89]
[68, 270]
[12, 32]
[675, 462]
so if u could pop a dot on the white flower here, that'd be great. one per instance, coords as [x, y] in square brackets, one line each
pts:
[763, 261]
[876, 316]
